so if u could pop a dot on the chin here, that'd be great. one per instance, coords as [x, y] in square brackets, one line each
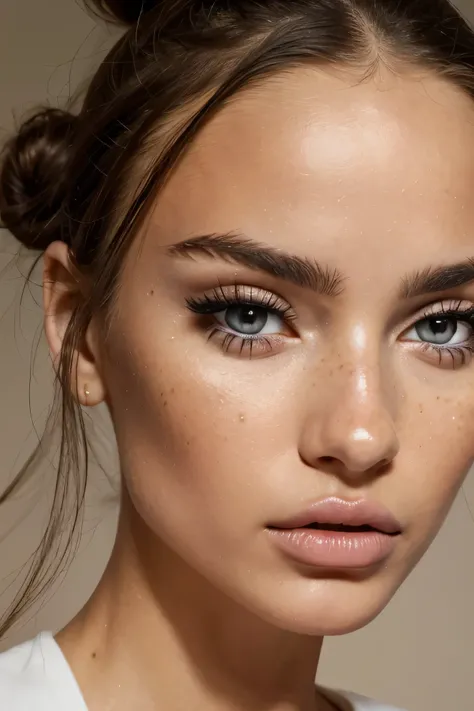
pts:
[326, 607]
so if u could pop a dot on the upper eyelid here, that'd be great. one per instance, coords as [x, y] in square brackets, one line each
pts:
[244, 294]
[441, 308]
[448, 306]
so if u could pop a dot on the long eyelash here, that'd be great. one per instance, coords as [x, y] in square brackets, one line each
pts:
[246, 344]
[219, 299]
[457, 354]
[454, 309]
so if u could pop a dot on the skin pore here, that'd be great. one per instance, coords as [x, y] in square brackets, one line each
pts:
[356, 196]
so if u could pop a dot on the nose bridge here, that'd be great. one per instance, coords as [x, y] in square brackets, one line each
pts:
[359, 425]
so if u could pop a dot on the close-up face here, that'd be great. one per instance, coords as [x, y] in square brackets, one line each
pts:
[289, 365]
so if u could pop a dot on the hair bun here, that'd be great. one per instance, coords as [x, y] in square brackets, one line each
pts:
[32, 174]
[126, 12]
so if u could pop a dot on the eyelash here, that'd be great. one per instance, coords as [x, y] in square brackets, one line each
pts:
[222, 298]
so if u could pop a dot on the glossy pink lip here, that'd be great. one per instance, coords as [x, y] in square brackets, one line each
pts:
[335, 511]
[343, 548]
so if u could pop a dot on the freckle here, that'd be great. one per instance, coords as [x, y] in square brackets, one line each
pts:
[94, 655]
[172, 391]
[438, 397]
[165, 404]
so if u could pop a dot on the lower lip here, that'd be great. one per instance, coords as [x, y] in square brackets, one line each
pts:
[334, 549]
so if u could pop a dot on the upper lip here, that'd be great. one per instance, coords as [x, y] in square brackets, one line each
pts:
[337, 511]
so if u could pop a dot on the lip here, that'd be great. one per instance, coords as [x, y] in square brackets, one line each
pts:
[336, 511]
[319, 547]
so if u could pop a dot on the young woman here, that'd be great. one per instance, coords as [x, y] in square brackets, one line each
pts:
[258, 252]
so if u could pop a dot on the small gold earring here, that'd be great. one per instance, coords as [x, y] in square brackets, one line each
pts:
[86, 392]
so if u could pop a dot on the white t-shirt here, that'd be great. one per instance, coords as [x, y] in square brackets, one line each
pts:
[35, 676]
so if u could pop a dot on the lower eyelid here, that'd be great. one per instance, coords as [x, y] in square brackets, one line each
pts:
[246, 346]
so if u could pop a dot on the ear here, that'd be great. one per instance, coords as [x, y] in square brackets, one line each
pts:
[63, 293]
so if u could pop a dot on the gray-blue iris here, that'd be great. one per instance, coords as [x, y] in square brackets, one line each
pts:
[246, 319]
[437, 330]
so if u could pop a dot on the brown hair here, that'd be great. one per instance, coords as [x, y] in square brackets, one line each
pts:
[88, 179]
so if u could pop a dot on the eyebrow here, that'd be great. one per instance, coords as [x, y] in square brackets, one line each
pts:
[309, 274]
[236, 249]
[435, 279]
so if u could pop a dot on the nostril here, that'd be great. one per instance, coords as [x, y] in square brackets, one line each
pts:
[327, 460]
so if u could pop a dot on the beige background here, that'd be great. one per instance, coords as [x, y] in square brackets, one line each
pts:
[419, 654]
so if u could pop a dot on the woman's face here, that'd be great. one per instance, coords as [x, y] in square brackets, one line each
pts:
[292, 344]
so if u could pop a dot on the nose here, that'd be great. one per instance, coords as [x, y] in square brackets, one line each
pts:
[352, 430]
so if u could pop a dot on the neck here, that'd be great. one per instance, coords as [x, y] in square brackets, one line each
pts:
[157, 635]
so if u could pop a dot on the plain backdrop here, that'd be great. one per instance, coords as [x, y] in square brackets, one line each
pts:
[419, 654]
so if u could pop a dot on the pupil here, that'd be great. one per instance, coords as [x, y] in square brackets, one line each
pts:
[440, 326]
[248, 316]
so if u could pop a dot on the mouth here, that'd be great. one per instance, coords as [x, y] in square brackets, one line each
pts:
[335, 533]
[341, 515]
[342, 528]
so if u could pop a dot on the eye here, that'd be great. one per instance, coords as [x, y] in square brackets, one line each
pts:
[441, 330]
[250, 320]
[245, 320]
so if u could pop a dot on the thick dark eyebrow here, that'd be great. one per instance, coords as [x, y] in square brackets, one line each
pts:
[436, 279]
[278, 263]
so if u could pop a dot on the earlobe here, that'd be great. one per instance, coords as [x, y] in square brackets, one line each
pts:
[90, 395]
[63, 296]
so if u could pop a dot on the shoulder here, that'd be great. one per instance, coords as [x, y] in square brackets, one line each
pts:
[348, 701]
[32, 677]
[25, 677]
[362, 703]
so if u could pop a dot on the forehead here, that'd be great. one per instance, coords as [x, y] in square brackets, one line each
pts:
[329, 166]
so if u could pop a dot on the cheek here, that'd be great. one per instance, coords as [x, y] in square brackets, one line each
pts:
[439, 452]
[200, 436]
